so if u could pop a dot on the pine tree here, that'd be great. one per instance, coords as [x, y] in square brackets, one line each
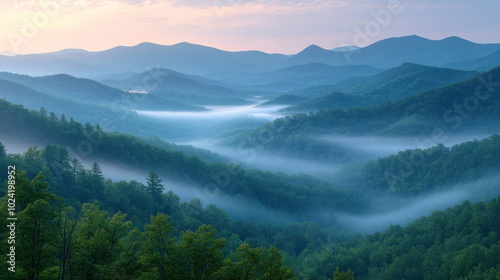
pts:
[97, 181]
[154, 185]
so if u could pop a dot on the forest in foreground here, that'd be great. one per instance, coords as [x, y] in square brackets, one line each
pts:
[88, 234]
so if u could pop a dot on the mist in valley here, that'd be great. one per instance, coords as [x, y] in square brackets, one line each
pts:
[218, 120]
[408, 209]
[374, 147]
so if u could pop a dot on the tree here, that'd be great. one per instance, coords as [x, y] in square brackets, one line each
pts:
[97, 181]
[43, 112]
[338, 275]
[50, 156]
[75, 166]
[36, 235]
[255, 263]
[67, 221]
[157, 255]
[30, 191]
[92, 248]
[201, 254]
[154, 185]
[99, 242]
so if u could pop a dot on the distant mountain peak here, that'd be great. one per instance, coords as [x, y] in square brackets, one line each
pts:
[147, 44]
[312, 49]
[456, 39]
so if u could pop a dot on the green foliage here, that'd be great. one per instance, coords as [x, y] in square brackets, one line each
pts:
[35, 234]
[255, 263]
[459, 243]
[154, 185]
[431, 114]
[390, 85]
[201, 254]
[158, 250]
[414, 172]
[338, 275]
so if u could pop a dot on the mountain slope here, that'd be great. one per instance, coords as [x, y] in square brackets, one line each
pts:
[457, 243]
[480, 64]
[329, 101]
[289, 193]
[73, 89]
[300, 76]
[172, 85]
[402, 81]
[286, 99]
[436, 113]
[393, 84]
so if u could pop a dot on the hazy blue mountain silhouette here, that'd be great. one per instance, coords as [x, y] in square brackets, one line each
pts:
[210, 62]
[395, 51]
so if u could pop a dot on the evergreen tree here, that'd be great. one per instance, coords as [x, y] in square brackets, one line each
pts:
[97, 181]
[154, 185]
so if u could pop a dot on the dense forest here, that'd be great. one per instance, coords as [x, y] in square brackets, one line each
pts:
[99, 229]
[420, 171]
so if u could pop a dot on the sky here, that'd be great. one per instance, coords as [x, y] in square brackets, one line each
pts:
[273, 26]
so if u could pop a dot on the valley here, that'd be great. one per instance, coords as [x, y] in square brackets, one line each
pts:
[386, 166]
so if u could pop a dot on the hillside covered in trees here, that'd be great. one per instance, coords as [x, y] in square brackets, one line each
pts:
[116, 230]
[469, 107]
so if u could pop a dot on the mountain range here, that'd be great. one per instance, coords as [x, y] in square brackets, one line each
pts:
[211, 62]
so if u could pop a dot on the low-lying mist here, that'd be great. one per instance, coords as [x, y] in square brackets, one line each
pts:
[411, 209]
[18, 146]
[376, 147]
[220, 119]
[267, 161]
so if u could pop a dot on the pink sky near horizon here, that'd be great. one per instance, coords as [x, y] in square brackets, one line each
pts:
[275, 26]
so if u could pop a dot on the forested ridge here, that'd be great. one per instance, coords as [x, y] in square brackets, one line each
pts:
[467, 106]
[393, 84]
[459, 243]
[421, 171]
[289, 193]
